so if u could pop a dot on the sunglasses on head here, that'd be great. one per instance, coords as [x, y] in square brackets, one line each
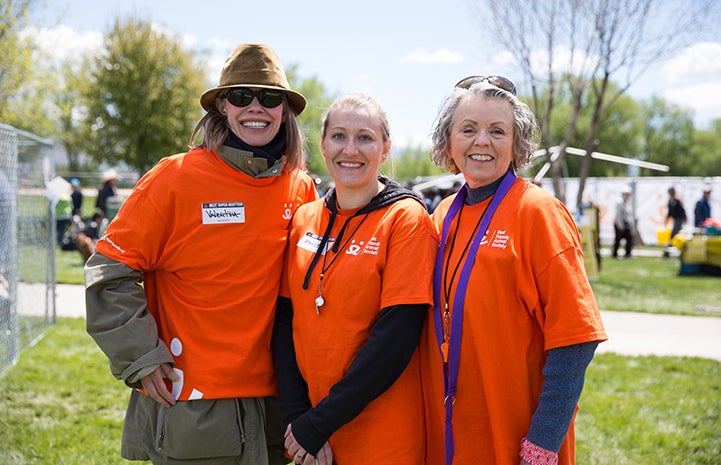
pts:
[242, 97]
[498, 81]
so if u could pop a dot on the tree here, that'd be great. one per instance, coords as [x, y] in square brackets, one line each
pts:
[585, 45]
[412, 163]
[706, 151]
[668, 136]
[69, 105]
[142, 98]
[310, 120]
[15, 63]
[618, 132]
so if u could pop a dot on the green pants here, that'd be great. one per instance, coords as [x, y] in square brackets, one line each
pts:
[244, 431]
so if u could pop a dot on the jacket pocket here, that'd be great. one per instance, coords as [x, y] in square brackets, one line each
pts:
[200, 429]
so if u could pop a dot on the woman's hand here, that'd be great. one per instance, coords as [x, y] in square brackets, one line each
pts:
[154, 384]
[324, 455]
[301, 456]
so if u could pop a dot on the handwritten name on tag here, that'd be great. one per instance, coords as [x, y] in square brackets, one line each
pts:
[223, 212]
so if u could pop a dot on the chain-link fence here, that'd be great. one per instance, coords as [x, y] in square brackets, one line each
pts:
[27, 251]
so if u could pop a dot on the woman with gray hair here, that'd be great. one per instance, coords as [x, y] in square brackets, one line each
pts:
[515, 322]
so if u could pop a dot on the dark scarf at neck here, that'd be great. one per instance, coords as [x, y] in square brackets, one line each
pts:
[272, 152]
[479, 194]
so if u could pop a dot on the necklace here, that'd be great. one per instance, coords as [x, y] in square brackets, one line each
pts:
[320, 300]
[451, 352]
[448, 283]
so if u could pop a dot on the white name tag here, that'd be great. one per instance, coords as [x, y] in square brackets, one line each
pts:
[223, 212]
[311, 241]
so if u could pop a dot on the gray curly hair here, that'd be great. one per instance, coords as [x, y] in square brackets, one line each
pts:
[525, 130]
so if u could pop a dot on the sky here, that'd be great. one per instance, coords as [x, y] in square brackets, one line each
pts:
[407, 54]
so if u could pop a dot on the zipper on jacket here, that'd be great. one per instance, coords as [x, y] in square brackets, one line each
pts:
[161, 431]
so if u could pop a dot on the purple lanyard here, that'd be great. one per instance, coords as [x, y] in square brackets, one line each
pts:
[450, 366]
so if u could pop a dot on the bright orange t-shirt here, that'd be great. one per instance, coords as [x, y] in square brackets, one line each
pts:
[527, 293]
[210, 241]
[385, 259]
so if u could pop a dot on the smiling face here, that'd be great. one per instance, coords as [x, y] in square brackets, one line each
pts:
[254, 124]
[481, 139]
[353, 146]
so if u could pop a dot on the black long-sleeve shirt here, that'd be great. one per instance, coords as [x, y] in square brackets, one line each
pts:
[378, 364]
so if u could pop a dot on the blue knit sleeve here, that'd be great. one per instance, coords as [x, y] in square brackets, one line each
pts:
[564, 372]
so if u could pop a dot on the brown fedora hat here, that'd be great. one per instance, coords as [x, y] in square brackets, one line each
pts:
[253, 65]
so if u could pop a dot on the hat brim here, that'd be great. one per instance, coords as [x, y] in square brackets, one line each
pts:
[296, 101]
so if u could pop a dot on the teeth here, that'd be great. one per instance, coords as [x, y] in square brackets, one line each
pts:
[255, 124]
[481, 157]
[349, 164]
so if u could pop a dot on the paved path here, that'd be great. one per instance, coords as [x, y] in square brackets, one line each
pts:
[629, 333]
[651, 334]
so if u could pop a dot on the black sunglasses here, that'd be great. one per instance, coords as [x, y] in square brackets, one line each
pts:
[498, 81]
[242, 97]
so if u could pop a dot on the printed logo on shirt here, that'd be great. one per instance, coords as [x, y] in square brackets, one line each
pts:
[500, 239]
[372, 247]
[223, 212]
[288, 209]
[353, 248]
[116, 246]
[369, 247]
[497, 239]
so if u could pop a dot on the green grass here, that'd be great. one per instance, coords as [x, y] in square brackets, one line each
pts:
[644, 284]
[60, 405]
[653, 285]
[648, 410]
[69, 267]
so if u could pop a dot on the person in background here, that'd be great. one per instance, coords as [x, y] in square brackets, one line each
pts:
[63, 217]
[107, 189]
[205, 232]
[702, 209]
[95, 227]
[84, 235]
[359, 271]
[77, 196]
[515, 322]
[675, 214]
[623, 224]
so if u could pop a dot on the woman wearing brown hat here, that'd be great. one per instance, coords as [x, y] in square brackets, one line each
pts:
[205, 233]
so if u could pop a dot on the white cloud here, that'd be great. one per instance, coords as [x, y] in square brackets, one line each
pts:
[564, 60]
[441, 55]
[693, 80]
[698, 62]
[504, 59]
[704, 99]
[63, 43]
